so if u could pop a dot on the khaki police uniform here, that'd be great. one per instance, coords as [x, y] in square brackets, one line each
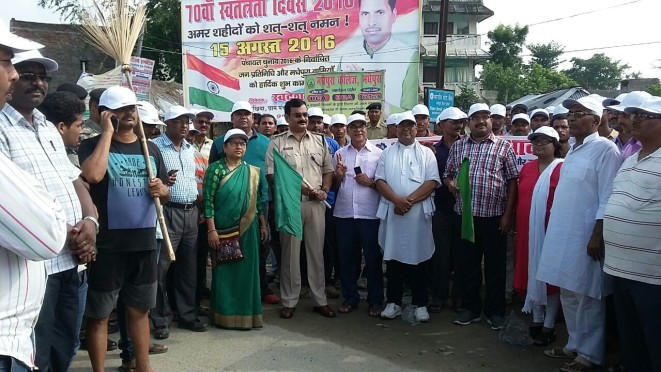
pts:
[378, 132]
[311, 158]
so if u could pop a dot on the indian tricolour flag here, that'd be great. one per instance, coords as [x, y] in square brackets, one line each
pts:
[208, 86]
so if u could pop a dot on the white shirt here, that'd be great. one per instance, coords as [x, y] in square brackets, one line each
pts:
[354, 200]
[586, 183]
[632, 225]
[39, 150]
[408, 238]
[32, 229]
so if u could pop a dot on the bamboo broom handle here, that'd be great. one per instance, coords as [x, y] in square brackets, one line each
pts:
[150, 175]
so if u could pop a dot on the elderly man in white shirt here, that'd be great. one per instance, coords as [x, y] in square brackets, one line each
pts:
[632, 235]
[407, 175]
[573, 248]
[355, 213]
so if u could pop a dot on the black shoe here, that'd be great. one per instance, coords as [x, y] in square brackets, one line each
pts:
[161, 332]
[195, 326]
[205, 293]
[113, 326]
[112, 345]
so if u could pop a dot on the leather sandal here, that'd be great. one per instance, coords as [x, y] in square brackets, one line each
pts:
[157, 349]
[287, 312]
[346, 308]
[558, 352]
[544, 338]
[324, 311]
[375, 311]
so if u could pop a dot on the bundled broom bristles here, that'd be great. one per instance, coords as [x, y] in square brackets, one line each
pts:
[115, 34]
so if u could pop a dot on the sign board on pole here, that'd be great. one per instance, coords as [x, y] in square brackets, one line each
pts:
[438, 100]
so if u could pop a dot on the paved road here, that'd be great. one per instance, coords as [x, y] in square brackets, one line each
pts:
[350, 342]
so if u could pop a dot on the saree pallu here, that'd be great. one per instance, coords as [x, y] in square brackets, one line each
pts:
[231, 198]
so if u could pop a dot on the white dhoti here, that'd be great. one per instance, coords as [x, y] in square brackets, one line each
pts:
[585, 318]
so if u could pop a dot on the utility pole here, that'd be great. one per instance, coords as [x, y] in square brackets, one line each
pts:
[442, 41]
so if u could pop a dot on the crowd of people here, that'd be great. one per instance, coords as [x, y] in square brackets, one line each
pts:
[83, 236]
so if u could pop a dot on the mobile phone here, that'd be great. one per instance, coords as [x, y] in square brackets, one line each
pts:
[172, 172]
[115, 123]
[357, 170]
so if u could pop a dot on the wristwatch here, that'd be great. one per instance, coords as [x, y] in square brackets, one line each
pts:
[93, 219]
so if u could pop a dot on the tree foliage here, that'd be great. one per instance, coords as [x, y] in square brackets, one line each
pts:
[546, 55]
[505, 80]
[654, 89]
[597, 72]
[466, 97]
[506, 44]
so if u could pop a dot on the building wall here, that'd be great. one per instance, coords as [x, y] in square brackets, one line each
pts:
[66, 45]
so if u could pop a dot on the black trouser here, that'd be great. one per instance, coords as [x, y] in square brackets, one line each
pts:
[491, 245]
[182, 227]
[415, 276]
[202, 259]
[443, 262]
[264, 249]
[331, 260]
[638, 310]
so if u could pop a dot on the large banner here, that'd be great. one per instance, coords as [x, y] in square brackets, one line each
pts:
[521, 145]
[343, 92]
[259, 50]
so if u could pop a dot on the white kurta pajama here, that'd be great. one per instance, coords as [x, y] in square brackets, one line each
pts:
[586, 183]
[408, 238]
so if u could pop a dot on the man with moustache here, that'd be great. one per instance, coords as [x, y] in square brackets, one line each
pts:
[493, 181]
[561, 125]
[421, 114]
[539, 118]
[339, 129]
[376, 128]
[444, 222]
[181, 214]
[520, 125]
[406, 176]
[625, 141]
[36, 146]
[572, 253]
[202, 123]
[266, 125]
[113, 164]
[308, 153]
[498, 119]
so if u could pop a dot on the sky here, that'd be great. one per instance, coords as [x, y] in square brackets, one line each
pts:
[635, 22]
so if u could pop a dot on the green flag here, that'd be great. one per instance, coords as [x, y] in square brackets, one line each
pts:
[287, 197]
[464, 184]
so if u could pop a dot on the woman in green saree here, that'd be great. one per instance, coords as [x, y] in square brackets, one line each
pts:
[234, 198]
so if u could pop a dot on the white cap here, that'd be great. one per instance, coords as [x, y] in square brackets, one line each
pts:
[609, 102]
[498, 109]
[235, 133]
[589, 103]
[539, 111]
[281, 121]
[116, 97]
[620, 98]
[560, 110]
[338, 119]
[176, 111]
[392, 119]
[632, 99]
[420, 109]
[547, 131]
[242, 105]
[356, 117]
[550, 109]
[191, 128]
[206, 113]
[14, 42]
[477, 107]
[521, 116]
[35, 56]
[651, 105]
[326, 119]
[453, 113]
[315, 111]
[405, 116]
[597, 97]
[148, 113]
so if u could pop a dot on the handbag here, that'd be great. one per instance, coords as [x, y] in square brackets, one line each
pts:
[229, 249]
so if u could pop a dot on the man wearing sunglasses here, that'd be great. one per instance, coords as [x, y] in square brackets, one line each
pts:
[572, 254]
[625, 141]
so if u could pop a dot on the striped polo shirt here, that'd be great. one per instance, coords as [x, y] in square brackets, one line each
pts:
[632, 222]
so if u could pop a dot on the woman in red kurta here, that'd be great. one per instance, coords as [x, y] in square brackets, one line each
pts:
[538, 180]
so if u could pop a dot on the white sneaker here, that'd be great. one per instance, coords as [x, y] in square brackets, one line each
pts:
[421, 314]
[391, 311]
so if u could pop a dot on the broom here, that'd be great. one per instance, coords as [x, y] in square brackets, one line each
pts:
[116, 35]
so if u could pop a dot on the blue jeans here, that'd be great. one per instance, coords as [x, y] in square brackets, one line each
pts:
[352, 235]
[56, 331]
[82, 299]
[9, 364]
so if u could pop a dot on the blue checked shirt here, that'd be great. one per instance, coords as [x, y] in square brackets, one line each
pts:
[39, 150]
[185, 189]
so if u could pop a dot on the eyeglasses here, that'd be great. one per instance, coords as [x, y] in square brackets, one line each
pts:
[28, 76]
[356, 126]
[541, 141]
[237, 143]
[578, 114]
[642, 116]
[198, 121]
[179, 121]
